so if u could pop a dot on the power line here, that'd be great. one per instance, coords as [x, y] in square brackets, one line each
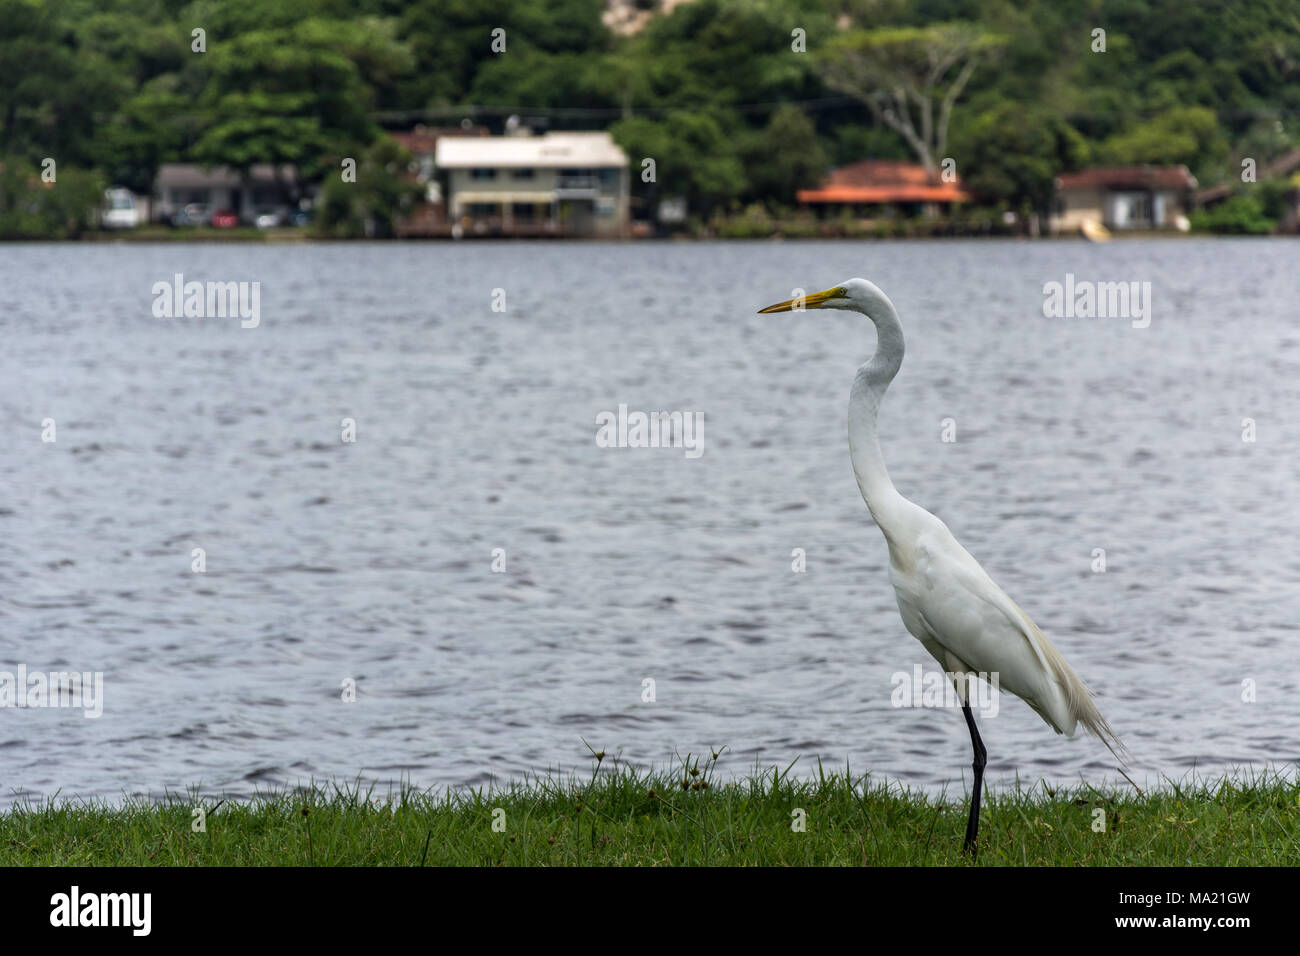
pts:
[597, 112]
[472, 110]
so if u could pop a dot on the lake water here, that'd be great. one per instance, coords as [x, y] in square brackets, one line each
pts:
[372, 561]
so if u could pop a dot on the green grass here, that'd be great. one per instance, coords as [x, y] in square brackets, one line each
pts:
[682, 817]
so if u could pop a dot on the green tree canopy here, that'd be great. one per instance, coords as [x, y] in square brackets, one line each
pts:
[1188, 135]
[1011, 158]
[909, 77]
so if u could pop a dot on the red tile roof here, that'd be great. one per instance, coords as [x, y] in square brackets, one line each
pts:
[1128, 177]
[883, 180]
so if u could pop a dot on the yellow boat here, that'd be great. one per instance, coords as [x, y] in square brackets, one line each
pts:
[1094, 231]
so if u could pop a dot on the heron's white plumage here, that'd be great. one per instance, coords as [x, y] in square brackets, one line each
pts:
[947, 601]
[970, 625]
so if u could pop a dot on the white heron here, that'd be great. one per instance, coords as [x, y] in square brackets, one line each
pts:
[947, 601]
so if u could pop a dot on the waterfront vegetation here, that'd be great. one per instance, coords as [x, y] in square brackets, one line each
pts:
[736, 112]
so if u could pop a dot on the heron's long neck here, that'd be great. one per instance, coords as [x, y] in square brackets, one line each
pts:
[869, 386]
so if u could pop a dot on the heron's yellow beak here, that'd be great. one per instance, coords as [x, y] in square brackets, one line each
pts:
[811, 301]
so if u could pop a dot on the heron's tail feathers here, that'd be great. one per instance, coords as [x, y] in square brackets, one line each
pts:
[1095, 724]
[1079, 701]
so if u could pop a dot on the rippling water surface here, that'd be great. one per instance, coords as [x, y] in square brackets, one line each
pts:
[476, 431]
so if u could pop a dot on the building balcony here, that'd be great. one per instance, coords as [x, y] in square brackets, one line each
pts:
[576, 187]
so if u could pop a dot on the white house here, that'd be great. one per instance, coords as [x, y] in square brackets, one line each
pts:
[554, 184]
[1123, 197]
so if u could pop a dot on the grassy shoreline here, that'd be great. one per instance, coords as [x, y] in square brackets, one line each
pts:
[622, 817]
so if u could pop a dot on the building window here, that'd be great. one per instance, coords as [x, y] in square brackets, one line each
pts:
[523, 210]
[524, 173]
[482, 210]
[482, 174]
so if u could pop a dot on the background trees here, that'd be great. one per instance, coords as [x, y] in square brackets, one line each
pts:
[909, 77]
[718, 92]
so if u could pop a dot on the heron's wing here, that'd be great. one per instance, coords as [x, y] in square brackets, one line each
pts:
[974, 620]
[978, 623]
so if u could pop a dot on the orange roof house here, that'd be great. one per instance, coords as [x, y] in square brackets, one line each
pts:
[887, 181]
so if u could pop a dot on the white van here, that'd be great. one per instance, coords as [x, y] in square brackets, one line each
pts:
[119, 209]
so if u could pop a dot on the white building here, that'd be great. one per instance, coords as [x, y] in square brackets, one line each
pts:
[520, 184]
[1123, 197]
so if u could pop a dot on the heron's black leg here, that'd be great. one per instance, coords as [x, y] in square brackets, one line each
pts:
[973, 822]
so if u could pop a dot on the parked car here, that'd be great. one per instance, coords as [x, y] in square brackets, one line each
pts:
[119, 210]
[267, 219]
[225, 219]
[192, 214]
